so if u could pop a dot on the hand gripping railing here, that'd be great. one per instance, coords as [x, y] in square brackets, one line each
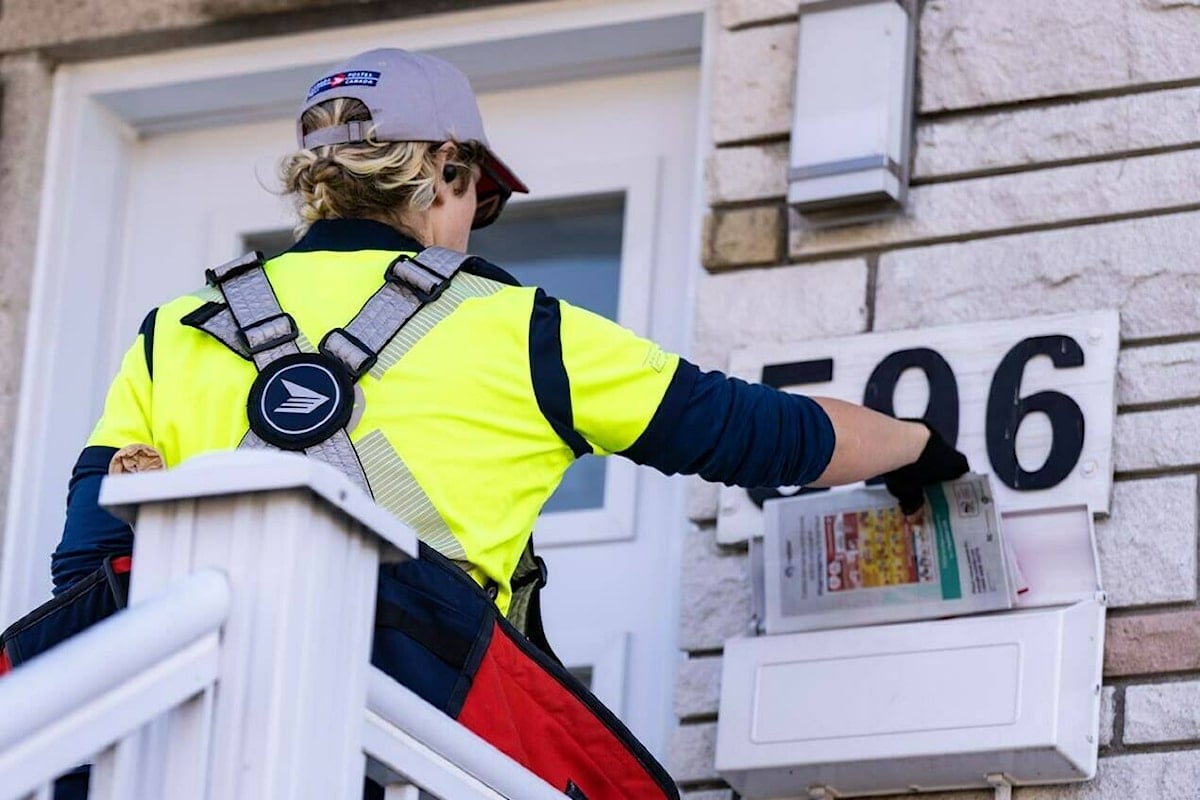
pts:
[82, 697]
[289, 717]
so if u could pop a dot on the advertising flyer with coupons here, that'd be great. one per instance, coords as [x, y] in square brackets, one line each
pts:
[852, 557]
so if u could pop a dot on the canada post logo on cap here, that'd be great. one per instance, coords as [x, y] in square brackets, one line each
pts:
[358, 77]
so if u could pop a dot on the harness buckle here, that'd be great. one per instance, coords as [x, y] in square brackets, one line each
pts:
[231, 269]
[349, 351]
[270, 332]
[426, 285]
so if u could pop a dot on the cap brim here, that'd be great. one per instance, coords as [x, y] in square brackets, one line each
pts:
[498, 177]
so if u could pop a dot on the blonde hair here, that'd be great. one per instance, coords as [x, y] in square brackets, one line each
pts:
[384, 181]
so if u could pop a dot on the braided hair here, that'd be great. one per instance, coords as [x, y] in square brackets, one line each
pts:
[372, 180]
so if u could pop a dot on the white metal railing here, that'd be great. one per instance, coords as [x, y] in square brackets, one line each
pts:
[241, 669]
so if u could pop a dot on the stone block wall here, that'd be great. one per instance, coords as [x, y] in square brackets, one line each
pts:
[1056, 168]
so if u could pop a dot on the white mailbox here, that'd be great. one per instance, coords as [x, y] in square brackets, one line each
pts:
[941, 704]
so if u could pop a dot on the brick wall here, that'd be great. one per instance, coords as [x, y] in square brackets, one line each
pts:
[1056, 168]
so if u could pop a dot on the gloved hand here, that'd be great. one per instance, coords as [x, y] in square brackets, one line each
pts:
[938, 462]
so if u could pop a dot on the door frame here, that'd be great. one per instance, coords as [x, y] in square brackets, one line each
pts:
[100, 110]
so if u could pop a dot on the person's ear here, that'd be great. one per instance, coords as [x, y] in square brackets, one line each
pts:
[447, 171]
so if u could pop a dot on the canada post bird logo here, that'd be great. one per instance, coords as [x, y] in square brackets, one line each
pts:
[301, 399]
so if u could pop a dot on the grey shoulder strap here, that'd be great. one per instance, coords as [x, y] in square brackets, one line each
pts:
[409, 284]
[254, 326]
[217, 321]
[265, 333]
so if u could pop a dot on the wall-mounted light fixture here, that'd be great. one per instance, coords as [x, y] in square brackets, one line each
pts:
[853, 113]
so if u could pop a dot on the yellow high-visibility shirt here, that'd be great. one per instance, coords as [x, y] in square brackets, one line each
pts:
[503, 390]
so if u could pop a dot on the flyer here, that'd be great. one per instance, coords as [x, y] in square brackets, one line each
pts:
[852, 557]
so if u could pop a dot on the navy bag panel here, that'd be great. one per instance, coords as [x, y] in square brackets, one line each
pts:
[432, 625]
[92, 599]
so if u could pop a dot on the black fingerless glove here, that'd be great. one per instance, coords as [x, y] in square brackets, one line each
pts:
[938, 462]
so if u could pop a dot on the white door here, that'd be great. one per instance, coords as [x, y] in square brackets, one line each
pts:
[610, 163]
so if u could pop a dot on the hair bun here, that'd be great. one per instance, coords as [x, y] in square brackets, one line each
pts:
[371, 180]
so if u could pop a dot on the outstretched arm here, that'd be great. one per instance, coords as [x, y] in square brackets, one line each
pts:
[727, 430]
[867, 443]
[910, 455]
[745, 434]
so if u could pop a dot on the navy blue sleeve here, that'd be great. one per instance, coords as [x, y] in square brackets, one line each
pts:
[737, 433]
[91, 534]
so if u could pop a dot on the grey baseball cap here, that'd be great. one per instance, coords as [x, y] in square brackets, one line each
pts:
[412, 97]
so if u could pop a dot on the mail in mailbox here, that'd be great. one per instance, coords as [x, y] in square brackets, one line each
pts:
[852, 557]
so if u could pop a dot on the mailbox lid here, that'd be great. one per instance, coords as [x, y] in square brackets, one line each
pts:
[936, 704]
[1056, 552]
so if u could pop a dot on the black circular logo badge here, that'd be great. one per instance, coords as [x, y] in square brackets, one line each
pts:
[300, 400]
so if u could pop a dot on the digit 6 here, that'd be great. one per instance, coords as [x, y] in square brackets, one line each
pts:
[1006, 409]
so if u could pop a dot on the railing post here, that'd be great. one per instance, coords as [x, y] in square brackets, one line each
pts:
[300, 545]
